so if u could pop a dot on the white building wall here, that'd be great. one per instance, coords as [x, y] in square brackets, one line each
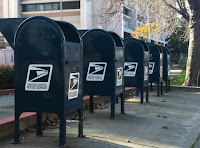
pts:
[11, 8]
[86, 14]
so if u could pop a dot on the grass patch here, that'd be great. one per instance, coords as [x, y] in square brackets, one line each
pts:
[193, 145]
[178, 81]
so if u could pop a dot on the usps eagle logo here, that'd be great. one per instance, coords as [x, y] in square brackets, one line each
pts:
[96, 71]
[38, 77]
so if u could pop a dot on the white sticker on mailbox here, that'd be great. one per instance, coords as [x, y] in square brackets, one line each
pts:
[73, 85]
[151, 67]
[96, 71]
[38, 77]
[130, 69]
[146, 74]
[119, 76]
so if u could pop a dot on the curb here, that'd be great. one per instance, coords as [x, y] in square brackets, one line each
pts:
[185, 88]
[7, 92]
[180, 88]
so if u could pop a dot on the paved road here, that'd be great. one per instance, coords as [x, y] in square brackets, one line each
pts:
[141, 127]
[6, 106]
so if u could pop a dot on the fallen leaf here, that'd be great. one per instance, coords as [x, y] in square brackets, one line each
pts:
[165, 127]
[128, 141]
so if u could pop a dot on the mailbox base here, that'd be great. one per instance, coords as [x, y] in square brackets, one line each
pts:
[113, 102]
[169, 85]
[161, 88]
[91, 106]
[147, 94]
[117, 99]
[39, 125]
[16, 137]
[158, 89]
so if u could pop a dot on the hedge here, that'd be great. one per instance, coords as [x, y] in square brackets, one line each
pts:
[6, 77]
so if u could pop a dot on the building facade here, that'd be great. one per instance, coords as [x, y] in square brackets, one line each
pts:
[83, 14]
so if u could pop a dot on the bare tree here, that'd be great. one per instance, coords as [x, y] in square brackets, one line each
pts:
[166, 13]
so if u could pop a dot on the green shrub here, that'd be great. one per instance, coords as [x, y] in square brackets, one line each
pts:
[182, 61]
[6, 77]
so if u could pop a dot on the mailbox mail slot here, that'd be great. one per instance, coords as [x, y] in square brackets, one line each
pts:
[136, 65]
[103, 66]
[48, 70]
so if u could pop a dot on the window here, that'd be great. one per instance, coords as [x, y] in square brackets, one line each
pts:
[126, 11]
[56, 6]
[71, 5]
[51, 6]
[48, 7]
[27, 8]
[40, 7]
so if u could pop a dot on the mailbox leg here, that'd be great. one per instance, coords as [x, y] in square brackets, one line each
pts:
[147, 94]
[122, 103]
[169, 85]
[166, 89]
[141, 95]
[117, 99]
[39, 124]
[137, 91]
[16, 137]
[80, 124]
[151, 87]
[113, 107]
[62, 135]
[161, 88]
[91, 104]
[158, 89]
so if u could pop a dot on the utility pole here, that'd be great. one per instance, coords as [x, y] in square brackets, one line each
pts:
[61, 15]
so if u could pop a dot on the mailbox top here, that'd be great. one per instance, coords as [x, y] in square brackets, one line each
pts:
[146, 48]
[82, 32]
[98, 45]
[117, 39]
[166, 49]
[160, 48]
[8, 27]
[54, 38]
[154, 51]
[70, 32]
[134, 48]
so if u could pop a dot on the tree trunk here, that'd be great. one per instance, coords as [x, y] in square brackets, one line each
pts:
[193, 62]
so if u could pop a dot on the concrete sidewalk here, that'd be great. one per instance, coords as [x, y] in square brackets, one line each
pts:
[6, 106]
[7, 101]
[140, 128]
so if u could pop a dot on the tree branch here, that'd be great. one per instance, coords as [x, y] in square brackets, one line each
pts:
[182, 11]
